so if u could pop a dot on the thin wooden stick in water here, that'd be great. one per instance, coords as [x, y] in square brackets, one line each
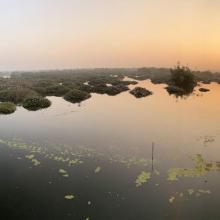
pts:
[152, 156]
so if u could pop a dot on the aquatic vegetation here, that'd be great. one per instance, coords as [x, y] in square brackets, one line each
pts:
[69, 196]
[76, 96]
[63, 172]
[201, 167]
[34, 161]
[131, 161]
[97, 170]
[75, 161]
[183, 78]
[7, 108]
[198, 192]
[75, 156]
[29, 157]
[171, 199]
[142, 178]
[16, 95]
[54, 90]
[36, 103]
[204, 191]
[140, 92]
[174, 90]
[190, 191]
[204, 90]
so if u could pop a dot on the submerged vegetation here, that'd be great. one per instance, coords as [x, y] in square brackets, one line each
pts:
[7, 108]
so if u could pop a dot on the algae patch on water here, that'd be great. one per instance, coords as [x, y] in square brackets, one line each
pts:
[29, 157]
[171, 199]
[201, 167]
[69, 196]
[34, 161]
[142, 178]
[97, 170]
[63, 172]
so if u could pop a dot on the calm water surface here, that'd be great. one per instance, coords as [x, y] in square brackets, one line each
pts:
[99, 155]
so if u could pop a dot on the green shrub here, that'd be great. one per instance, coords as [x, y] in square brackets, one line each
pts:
[16, 95]
[57, 90]
[7, 108]
[36, 103]
[183, 77]
[76, 96]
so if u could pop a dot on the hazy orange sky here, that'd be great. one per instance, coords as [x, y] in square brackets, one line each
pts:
[50, 34]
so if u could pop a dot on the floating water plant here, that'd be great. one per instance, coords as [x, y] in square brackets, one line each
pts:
[29, 157]
[142, 178]
[63, 172]
[69, 196]
[201, 167]
[190, 191]
[35, 162]
[97, 170]
[171, 199]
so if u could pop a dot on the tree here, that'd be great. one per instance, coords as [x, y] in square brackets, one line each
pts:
[183, 78]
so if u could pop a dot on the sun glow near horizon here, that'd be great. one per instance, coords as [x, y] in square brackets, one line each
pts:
[81, 33]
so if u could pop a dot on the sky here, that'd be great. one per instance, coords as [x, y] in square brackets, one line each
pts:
[63, 34]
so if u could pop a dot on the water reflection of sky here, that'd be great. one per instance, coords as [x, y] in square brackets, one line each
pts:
[126, 126]
[124, 122]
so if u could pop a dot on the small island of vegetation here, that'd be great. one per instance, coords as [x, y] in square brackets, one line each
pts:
[182, 81]
[36, 103]
[7, 108]
[29, 89]
[76, 96]
[204, 90]
[140, 92]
